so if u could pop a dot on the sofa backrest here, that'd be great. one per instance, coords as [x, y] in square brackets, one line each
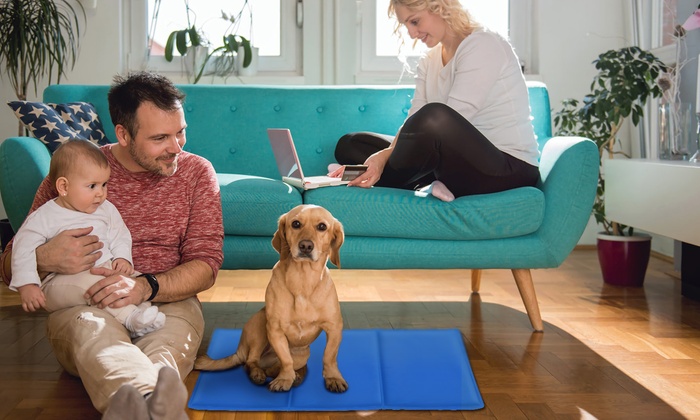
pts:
[227, 123]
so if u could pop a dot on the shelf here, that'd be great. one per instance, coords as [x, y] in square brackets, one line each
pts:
[658, 196]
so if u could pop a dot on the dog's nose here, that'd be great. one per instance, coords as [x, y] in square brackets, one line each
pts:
[306, 246]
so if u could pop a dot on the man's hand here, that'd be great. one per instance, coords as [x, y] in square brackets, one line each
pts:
[69, 252]
[116, 290]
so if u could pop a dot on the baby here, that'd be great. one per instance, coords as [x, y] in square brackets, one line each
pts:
[79, 171]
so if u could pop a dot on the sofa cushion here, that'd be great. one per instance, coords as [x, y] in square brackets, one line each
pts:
[252, 205]
[53, 124]
[395, 213]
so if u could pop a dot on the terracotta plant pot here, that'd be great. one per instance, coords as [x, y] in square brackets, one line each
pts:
[624, 259]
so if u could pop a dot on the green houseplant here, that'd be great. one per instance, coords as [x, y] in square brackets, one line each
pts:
[39, 39]
[187, 39]
[626, 79]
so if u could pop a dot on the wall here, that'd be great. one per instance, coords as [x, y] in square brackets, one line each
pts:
[567, 36]
[570, 35]
[99, 59]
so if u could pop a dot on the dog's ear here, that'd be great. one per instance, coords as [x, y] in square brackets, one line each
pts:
[279, 241]
[337, 242]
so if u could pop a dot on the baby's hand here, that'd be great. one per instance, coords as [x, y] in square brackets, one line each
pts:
[122, 266]
[32, 297]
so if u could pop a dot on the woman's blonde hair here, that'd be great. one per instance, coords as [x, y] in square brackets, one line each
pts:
[457, 18]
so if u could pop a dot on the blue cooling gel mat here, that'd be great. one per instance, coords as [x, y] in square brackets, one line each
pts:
[385, 369]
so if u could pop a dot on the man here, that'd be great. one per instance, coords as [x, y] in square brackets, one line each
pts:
[169, 200]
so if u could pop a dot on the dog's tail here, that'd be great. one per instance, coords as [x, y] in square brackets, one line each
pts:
[207, 363]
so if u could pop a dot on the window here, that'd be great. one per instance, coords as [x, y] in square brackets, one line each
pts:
[312, 42]
[490, 13]
[663, 23]
[262, 23]
[380, 47]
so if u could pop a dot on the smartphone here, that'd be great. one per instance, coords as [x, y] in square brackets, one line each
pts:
[353, 171]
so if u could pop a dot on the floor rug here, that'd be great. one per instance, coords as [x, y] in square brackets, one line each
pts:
[385, 370]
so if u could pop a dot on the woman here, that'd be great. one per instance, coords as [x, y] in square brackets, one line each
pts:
[468, 130]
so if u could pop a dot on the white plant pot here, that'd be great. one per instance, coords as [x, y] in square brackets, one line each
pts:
[252, 69]
[194, 60]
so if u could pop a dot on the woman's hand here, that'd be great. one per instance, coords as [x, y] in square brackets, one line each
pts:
[375, 166]
[337, 172]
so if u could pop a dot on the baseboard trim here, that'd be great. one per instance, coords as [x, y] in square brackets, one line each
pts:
[662, 257]
[654, 254]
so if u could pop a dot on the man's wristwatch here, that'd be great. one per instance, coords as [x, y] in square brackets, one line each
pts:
[153, 282]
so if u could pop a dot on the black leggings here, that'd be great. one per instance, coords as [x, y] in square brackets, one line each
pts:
[437, 143]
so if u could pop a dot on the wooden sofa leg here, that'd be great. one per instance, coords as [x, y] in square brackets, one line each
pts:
[523, 279]
[476, 280]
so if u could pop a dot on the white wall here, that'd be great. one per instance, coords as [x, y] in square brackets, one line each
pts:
[99, 60]
[568, 36]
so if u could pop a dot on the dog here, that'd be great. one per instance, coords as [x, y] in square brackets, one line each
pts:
[300, 302]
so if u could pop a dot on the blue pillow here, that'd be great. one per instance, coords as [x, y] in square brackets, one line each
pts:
[53, 124]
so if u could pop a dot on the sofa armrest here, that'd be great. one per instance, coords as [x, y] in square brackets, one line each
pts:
[568, 177]
[24, 163]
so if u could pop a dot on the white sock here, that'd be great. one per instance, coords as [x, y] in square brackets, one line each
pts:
[439, 190]
[146, 318]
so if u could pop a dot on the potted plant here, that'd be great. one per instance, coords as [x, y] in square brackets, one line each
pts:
[626, 79]
[232, 46]
[183, 40]
[190, 43]
[39, 39]
[190, 39]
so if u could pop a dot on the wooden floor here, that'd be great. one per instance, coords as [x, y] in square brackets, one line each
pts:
[612, 352]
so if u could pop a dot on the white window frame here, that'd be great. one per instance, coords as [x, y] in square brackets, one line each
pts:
[287, 63]
[520, 23]
[666, 53]
[648, 30]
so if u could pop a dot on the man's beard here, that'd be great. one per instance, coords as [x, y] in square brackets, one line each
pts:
[152, 165]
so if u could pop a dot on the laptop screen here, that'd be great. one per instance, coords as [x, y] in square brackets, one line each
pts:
[285, 153]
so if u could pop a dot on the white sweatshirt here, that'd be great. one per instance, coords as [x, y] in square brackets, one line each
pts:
[484, 83]
[51, 219]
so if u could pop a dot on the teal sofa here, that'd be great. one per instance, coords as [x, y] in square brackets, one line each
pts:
[385, 228]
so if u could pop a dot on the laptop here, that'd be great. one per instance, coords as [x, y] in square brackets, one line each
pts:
[289, 166]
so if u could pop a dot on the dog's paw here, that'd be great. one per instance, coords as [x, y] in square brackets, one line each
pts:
[280, 385]
[336, 385]
[300, 375]
[257, 375]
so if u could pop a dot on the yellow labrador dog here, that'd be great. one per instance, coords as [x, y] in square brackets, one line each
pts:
[300, 302]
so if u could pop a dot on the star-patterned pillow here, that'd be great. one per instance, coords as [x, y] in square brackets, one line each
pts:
[53, 124]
